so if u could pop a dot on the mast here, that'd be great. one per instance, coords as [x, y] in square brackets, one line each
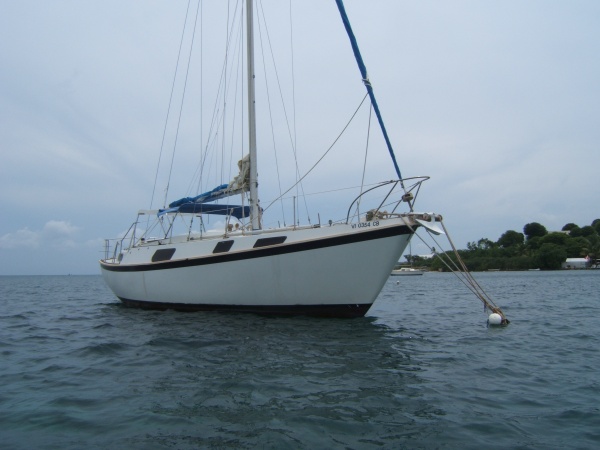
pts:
[254, 208]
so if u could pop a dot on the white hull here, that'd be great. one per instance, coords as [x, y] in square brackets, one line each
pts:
[333, 270]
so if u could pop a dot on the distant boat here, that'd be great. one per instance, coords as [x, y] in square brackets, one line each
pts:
[407, 271]
[400, 270]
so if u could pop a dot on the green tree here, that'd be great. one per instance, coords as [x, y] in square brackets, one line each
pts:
[541, 249]
[555, 238]
[534, 243]
[569, 227]
[588, 231]
[551, 256]
[577, 247]
[575, 232]
[418, 261]
[481, 244]
[534, 229]
[511, 238]
[485, 244]
[594, 248]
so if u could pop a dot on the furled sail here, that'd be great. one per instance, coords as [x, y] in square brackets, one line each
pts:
[198, 204]
[236, 211]
[239, 184]
[210, 196]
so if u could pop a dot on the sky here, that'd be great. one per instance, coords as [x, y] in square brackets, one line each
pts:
[497, 101]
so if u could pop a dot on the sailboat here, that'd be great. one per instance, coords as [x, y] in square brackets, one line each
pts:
[333, 269]
[406, 271]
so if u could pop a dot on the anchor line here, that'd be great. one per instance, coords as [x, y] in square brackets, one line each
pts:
[479, 291]
[463, 273]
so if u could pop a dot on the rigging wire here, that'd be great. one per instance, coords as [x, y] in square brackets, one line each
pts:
[298, 183]
[295, 136]
[227, 40]
[234, 71]
[212, 137]
[267, 90]
[169, 107]
[218, 120]
[324, 154]
[329, 191]
[362, 181]
[182, 102]
[263, 24]
[236, 84]
[237, 56]
[295, 142]
[201, 123]
[201, 90]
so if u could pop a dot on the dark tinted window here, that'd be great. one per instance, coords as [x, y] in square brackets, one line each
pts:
[223, 246]
[270, 241]
[164, 254]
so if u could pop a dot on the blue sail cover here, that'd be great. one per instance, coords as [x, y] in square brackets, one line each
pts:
[210, 196]
[236, 211]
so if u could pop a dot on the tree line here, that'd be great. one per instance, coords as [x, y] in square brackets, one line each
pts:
[534, 248]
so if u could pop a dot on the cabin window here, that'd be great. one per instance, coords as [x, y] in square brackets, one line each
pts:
[269, 241]
[164, 254]
[223, 246]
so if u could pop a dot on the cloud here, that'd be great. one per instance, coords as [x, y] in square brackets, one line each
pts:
[54, 232]
[21, 238]
[59, 229]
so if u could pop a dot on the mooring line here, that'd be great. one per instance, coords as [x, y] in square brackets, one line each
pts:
[463, 273]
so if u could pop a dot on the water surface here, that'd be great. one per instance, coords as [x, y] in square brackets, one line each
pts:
[77, 369]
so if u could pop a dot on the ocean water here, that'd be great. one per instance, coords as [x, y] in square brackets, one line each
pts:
[422, 370]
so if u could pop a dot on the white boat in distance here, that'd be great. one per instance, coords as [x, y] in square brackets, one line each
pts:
[407, 271]
[335, 269]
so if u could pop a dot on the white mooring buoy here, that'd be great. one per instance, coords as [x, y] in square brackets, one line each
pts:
[495, 319]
